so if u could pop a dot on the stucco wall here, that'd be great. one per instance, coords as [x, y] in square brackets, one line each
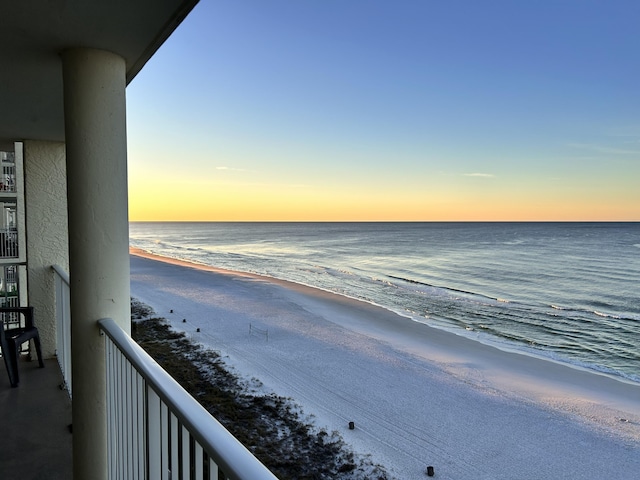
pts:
[46, 225]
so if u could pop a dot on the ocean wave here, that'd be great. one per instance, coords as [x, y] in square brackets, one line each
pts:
[599, 313]
[449, 289]
[597, 303]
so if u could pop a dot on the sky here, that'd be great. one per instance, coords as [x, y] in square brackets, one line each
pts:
[381, 110]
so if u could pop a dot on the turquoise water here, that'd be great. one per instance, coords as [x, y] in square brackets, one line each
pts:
[568, 291]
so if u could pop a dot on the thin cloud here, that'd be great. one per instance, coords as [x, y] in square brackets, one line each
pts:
[601, 149]
[274, 185]
[229, 169]
[481, 175]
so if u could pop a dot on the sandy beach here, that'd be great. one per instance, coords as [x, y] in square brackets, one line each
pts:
[417, 395]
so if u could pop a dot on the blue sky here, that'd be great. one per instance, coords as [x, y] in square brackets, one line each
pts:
[390, 110]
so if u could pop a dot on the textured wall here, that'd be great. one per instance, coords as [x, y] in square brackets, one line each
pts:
[46, 224]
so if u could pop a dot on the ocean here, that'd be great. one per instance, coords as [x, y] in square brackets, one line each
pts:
[565, 291]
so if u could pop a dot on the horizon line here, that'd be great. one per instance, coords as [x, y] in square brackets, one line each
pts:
[384, 221]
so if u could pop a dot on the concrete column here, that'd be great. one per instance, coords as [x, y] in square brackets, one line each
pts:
[94, 106]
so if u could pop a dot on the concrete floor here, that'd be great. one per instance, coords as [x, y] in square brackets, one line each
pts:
[35, 442]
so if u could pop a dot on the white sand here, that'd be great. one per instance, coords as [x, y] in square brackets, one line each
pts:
[418, 396]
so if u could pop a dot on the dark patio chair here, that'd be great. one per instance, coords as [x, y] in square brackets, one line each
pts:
[12, 337]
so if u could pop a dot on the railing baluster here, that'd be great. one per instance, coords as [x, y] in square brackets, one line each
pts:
[164, 431]
[122, 418]
[153, 433]
[110, 408]
[116, 418]
[141, 427]
[213, 470]
[122, 387]
[199, 462]
[174, 448]
[130, 425]
[186, 454]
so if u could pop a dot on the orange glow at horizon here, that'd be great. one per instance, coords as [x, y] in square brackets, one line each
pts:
[259, 205]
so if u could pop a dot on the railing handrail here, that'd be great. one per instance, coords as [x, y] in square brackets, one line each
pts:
[61, 273]
[226, 451]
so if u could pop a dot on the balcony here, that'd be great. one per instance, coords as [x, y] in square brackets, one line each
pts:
[35, 424]
[155, 429]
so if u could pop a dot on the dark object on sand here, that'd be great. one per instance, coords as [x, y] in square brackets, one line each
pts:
[430, 471]
[171, 311]
[198, 330]
[352, 425]
[184, 320]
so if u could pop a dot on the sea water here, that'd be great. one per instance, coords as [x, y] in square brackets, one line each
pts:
[566, 291]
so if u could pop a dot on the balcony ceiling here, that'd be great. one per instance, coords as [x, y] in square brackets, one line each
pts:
[34, 32]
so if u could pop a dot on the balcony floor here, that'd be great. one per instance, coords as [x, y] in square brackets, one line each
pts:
[35, 443]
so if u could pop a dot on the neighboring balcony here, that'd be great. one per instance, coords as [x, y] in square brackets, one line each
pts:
[9, 243]
[8, 179]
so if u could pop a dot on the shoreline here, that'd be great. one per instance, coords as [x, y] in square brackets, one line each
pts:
[356, 339]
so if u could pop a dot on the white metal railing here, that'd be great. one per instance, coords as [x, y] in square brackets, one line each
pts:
[157, 430]
[63, 324]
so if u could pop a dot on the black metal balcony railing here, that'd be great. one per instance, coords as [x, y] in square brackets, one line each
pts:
[8, 172]
[8, 243]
